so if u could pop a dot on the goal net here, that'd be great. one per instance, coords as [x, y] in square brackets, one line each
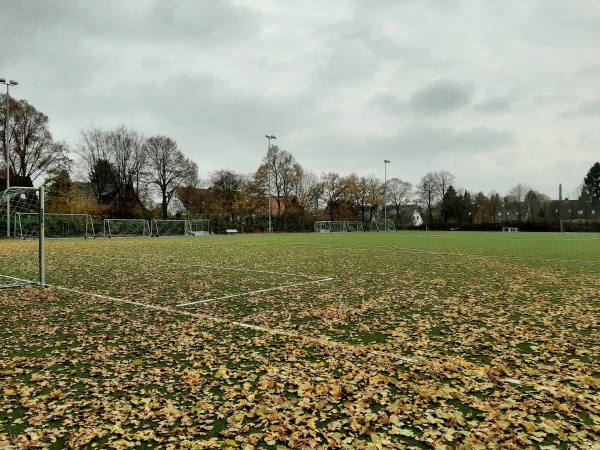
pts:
[337, 226]
[353, 226]
[510, 229]
[174, 227]
[200, 227]
[580, 226]
[126, 228]
[21, 262]
[57, 225]
[382, 225]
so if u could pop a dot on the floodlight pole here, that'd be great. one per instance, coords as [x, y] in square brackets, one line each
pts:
[385, 163]
[7, 148]
[269, 137]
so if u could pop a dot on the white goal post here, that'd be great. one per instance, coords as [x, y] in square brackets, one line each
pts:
[337, 226]
[200, 227]
[580, 226]
[510, 229]
[126, 228]
[382, 225]
[58, 225]
[171, 227]
[28, 267]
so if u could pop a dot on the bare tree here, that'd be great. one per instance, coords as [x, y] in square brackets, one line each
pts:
[95, 159]
[129, 158]
[283, 172]
[33, 150]
[445, 180]
[227, 185]
[309, 191]
[517, 192]
[428, 193]
[167, 168]
[399, 193]
[334, 191]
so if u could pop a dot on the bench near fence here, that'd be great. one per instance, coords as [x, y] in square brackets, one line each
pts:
[231, 231]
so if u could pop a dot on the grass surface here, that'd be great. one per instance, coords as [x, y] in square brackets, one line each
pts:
[367, 340]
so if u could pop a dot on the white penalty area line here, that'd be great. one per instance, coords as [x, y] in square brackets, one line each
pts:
[318, 339]
[176, 311]
[203, 266]
[260, 291]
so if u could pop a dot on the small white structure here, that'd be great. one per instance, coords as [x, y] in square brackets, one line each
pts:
[417, 218]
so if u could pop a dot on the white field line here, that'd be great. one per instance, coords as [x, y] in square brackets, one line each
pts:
[20, 282]
[204, 266]
[260, 291]
[177, 311]
[387, 249]
[275, 331]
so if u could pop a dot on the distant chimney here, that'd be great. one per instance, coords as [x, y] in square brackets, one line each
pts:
[560, 192]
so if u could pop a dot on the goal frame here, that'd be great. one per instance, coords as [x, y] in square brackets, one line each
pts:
[5, 200]
[146, 227]
[338, 226]
[593, 222]
[88, 232]
[510, 229]
[384, 224]
[187, 230]
[197, 227]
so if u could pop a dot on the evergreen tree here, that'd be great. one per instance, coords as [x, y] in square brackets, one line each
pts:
[591, 184]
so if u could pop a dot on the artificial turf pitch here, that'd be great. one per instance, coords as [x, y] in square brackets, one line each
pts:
[354, 340]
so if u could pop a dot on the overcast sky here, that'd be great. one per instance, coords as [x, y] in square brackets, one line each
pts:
[496, 92]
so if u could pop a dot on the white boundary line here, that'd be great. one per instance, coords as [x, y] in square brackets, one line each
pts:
[176, 311]
[204, 266]
[22, 283]
[388, 249]
[260, 291]
[316, 339]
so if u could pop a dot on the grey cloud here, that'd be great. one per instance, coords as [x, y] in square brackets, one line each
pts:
[589, 107]
[442, 140]
[442, 96]
[389, 103]
[494, 105]
[592, 71]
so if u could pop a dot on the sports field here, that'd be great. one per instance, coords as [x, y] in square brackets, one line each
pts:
[354, 341]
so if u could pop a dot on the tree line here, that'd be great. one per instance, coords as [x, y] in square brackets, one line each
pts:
[131, 175]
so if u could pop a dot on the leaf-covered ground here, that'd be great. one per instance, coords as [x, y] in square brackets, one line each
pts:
[389, 340]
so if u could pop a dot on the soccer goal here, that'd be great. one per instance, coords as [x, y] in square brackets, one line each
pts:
[337, 226]
[126, 228]
[580, 226]
[329, 226]
[57, 225]
[510, 229]
[22, 264]
[353, 226]
[173, 227]
[200, 227]
[382, 225]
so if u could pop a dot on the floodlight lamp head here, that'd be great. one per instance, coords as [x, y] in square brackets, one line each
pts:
[385, 161]
[13, 82]
[2, 80]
